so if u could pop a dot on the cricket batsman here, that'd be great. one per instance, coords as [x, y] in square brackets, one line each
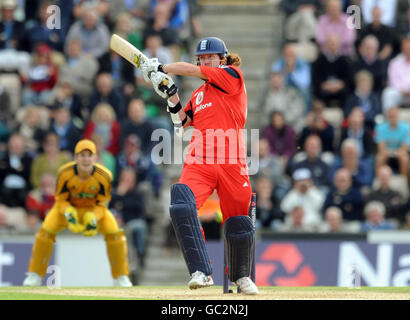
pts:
[83, 193]
[218, 105]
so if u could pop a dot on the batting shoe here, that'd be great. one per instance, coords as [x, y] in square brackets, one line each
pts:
[32, 280]
[123, 281]
[247, 286]
[200, 280]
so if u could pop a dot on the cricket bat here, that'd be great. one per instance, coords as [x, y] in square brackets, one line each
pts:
[127, 51]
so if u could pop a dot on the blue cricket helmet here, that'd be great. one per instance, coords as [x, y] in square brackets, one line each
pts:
[211, 45]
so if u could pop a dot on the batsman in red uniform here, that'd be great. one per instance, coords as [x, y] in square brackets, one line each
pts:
[216, 159]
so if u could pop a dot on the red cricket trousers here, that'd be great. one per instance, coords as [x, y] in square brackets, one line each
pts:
[230, 180]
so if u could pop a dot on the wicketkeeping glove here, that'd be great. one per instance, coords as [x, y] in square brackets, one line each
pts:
[71, 216]
[163, 85]
[90, 224]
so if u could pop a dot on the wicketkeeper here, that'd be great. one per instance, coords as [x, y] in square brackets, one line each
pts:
[218, 106]
[83, 193]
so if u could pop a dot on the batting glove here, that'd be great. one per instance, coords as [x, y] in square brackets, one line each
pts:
[90, 224]
[163, 85]
[71, 216]
[149, 67]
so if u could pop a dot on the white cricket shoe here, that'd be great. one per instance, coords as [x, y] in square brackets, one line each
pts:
[123, 281]
[200, 280]
[247, 286]
[32, 280]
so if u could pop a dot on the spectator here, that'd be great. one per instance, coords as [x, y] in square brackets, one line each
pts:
[49, 161]
[13, 218]
[33, 222]
[270, 167]
[300, 27]
[269, 214]
[374, 212]
[365, 98]
[368, 59]
[399, 68]
[39, 201]
[296, 72]
[102, 7]
[345, 196]
[121, 71]
[129, 203]
[304, 193]
[92, 32]
[335, 22]
[63, 96]
[80, 69]
[39, 33]
[387, 11]
[104, 157]
[13, 31]
[63, 126]
[15, 173]
[387, 39]
[136, 9]
[167, 18]
[136, 123]
[296, 221]
[357, 131]
[125, 28]
[393, 139]
[132, 156]
[103, 122]
[41, 78]
[317, 124]
[391, 199]
[105, 92]
[285, 99]
[313, 161]
[32, 128]
[332, 73]
[281, 138]
[5, 107]
[333, 221]
[360, 171]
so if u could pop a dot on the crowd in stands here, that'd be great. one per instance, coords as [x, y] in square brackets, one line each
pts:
[336, 119]
[60, 82]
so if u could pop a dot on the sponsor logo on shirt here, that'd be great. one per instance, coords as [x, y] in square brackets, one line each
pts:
[198, 100]
[199, 97]
[203, 106]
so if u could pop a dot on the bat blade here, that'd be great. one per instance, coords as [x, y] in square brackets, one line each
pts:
[127, 50]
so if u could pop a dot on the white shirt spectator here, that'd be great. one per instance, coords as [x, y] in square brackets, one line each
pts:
[306, 195]
[388, 9]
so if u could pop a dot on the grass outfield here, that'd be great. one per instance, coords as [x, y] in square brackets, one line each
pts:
[212, 293]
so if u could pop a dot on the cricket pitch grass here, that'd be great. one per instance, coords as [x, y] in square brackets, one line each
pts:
[212, 293]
